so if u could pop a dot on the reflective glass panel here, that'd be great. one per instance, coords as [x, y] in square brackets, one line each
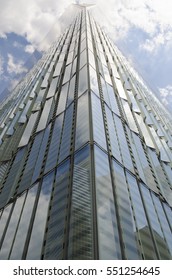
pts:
[56, 224]
[143, 231]
[80, 235]
[4, 219]
[108, 237]
[28, 130]
[82, 124]
[155, 225]
[93, 81]
[66, 137]
[37, 235]
[83, 59]
[54, 144]
[62, 99]
[127, 223]
[71, 90]
[45, 114]
[83, 80]
[12, 226]
[20, 238]
[98, 125]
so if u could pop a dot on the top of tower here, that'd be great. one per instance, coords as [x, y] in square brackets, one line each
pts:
[84, 5]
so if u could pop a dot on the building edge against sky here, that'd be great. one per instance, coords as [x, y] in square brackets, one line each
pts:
[85, 157]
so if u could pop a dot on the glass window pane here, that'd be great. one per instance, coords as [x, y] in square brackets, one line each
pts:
[98, 125]
[23, 117]
[28, 130]
[83, 81]
[71, 90]
[155, 226]
[91, 59]
[58, 69]
[25, 181]
[4, 219]
[93, 81]
[45, 114]
[22, 230]
[40, 158]
[54, 144]
[164, 224]
[143, 230]
[37, 235]
[12, 226]
[53, 87]
[82, 123]
[62, 99]
[113, 136]
[106, 214]
[113, 100]
[55, 234]
[80, 235]
[67, 73]
[66, 138]
[123, 143]
[120, 89]
[83, 59]
[126, 219]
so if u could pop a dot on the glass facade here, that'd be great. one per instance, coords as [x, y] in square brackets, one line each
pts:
[85, 157]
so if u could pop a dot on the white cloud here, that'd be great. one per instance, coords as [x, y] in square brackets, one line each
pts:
[29, 49]
[166, 94]
[152, 17]
[159, 40]
[15, 67]
[1, 66]
[34, 18]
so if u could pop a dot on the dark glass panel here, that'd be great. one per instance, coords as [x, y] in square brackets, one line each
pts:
[56, 224]
[12, 227]
[4, 219]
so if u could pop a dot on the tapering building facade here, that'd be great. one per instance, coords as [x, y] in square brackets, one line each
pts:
[85, 157]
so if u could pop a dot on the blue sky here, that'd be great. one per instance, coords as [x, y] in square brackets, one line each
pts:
[142, 29]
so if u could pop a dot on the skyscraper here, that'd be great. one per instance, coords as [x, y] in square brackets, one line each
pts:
[85, 157]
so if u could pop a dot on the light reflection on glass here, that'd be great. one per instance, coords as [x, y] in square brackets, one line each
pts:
[107, 235]
[6, 246]
[4, 219]
[45, 114]
[83, 80]
[35, 245]
[22, 231]
[143, 231]
[82, 125]
[93, 81]
[28, 130]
